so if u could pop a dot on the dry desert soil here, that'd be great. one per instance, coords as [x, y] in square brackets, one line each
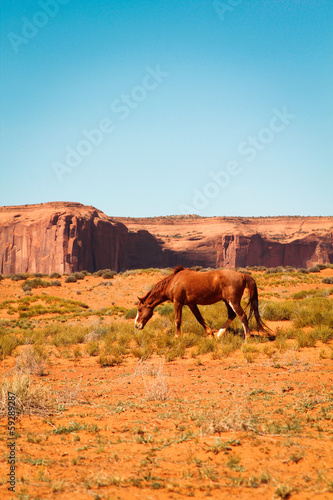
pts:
[105, 412]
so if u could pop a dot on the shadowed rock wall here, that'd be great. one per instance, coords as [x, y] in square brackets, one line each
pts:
[68, 237]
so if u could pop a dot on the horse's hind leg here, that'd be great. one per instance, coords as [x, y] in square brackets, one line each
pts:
[231, 317]
[178, 316]
[194, 308]
[237, 308]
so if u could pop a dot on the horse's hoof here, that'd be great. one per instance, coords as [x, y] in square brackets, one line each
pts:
[221, 332]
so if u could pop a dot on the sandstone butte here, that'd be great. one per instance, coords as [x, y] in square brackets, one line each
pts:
[67, 237]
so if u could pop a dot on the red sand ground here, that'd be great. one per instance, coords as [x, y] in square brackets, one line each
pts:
[148, 430]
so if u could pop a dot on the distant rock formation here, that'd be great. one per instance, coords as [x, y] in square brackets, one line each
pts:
[68, 237]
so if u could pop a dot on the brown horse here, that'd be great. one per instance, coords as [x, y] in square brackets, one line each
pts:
[188, 287]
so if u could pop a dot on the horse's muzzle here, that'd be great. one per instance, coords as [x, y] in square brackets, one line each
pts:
[138, 326]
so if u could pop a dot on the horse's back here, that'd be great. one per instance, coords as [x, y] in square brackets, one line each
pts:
[206, 287]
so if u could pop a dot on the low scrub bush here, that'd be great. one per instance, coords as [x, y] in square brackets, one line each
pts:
[328, 280]
[31, 398]
[96, 332]
[32, 360]
[69, 335]
[131, 313]
[313, 312]
[108, 275]
[305, 339]
[71, 278]
[314, 269]
[110, 359]
[8, 344]
[55, 275]
[37, 283]
[92, 348]
[79, 275]
[274, 270]
[105, 273]
[206, 344]
[304, 294]
[19, 276]
[256, 268]
[323, 333]
[278, 311]
[36, 305]
[308, 312]
[166, 310]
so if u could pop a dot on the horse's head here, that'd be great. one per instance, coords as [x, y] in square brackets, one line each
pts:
[144, 314]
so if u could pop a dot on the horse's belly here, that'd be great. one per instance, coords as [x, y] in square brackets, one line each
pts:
[205, 299]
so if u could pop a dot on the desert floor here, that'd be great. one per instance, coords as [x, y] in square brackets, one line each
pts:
[105, 412]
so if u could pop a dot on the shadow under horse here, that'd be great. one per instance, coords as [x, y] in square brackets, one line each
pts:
[192, 288]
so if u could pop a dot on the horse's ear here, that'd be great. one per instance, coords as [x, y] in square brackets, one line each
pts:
[140, 299]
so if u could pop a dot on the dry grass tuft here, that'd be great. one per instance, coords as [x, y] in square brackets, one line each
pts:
[32, 361]
[154, 380]
[240, 419]
[31, 398]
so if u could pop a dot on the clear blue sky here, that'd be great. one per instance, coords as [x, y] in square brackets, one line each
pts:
[160, 107]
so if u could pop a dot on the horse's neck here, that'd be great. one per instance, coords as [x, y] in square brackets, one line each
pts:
[155, 299]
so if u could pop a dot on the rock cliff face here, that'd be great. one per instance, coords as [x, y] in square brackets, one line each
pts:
[62, 237]
[67, 237]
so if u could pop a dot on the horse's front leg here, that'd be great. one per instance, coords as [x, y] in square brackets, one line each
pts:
[178, 316]
[194, 308]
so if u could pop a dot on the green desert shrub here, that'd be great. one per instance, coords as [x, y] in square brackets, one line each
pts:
[305, 339]
[55, 275]
[328, 280]
[131, 313]
[274, 270]
[71, 278]
[290, 269]
[323, 333]
[68, 335]
[37, 283]
[304, 294]
[165, 310]
[308, 312]
[314, 269]
[79, 275]
[109, 359]
[313, 312]
[7, 345]
[31, 398]
[19, 276]
[278, 311]
[108, 275]
[86, 273]
[92, 348]
[256, 268]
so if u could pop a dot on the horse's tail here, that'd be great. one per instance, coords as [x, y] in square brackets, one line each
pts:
[253, 303]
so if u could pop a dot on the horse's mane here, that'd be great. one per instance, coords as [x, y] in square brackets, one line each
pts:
[160, 286]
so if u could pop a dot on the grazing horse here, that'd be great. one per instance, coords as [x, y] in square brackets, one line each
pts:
[187, 287]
